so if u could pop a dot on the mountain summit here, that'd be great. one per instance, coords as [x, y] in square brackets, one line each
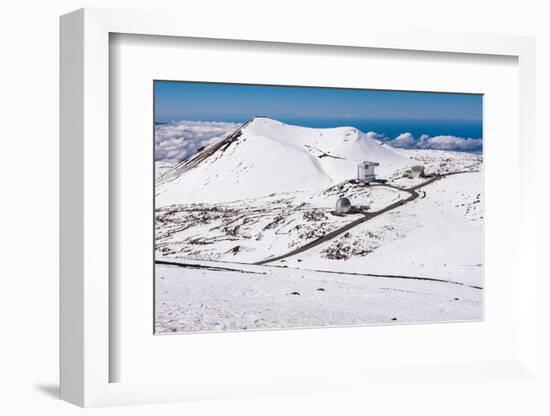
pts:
[265, 156]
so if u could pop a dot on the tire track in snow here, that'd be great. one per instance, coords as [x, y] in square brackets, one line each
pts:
[376, 275]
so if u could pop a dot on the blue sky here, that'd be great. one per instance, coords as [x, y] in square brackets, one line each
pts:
[237, 102]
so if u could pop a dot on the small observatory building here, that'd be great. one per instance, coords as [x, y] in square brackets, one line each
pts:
[343, 206]
[365, 171]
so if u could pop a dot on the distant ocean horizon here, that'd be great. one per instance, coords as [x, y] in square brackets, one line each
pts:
[390, 128]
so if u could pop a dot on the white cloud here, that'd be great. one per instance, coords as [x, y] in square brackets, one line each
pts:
[404, 140]
[375, 136]
[178, 140]
[451, 143]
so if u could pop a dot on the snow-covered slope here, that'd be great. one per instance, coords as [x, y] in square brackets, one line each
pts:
[438, 235]
[246, 235]
[161, 167]
[214, 296]
[266, 156]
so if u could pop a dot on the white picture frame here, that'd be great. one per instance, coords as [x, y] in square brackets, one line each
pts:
[86, 355]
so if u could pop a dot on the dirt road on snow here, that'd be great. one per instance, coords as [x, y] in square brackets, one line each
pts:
[366, 216]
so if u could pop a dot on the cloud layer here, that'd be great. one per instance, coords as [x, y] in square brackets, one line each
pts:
[451, 143]
[176, 141]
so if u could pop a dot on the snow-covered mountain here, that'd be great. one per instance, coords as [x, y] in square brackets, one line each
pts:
[266, 156]
[246, 236]
[269, 187]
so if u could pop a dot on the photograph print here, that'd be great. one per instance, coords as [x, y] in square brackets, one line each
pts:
[281, 207]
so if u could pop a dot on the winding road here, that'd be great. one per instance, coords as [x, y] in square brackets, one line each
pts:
[367, 216]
